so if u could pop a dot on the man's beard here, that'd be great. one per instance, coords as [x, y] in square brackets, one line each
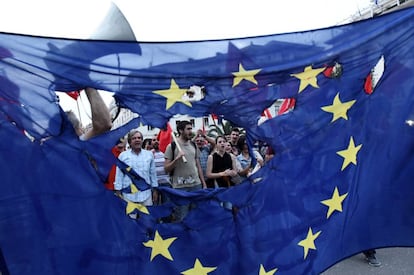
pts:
[185, 137]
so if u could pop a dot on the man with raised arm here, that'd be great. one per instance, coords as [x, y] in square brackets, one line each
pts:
[101, 118]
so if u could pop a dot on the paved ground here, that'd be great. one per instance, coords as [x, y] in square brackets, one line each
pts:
[395, 261]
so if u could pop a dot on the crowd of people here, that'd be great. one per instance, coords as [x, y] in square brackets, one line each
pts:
[189, 163]
[192, 161]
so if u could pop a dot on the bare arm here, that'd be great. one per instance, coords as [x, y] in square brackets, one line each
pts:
[154, 182]
[244, 171]
[209, 169]
[210, 140]
[169, 165]
[234, 163]
[200, 173]
[226, 173]
[101, 119]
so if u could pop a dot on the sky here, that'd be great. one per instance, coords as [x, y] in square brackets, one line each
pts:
[180, 20]
[177, 20]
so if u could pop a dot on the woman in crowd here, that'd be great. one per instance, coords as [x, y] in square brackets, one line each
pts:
[245, 160]
[221, 166]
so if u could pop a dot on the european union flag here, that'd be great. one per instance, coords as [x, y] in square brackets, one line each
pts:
[340, 183]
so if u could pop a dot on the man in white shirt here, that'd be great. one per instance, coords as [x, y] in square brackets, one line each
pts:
[142, 162]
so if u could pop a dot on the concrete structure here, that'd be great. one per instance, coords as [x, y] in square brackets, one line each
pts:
[377, 8]
[125, 115]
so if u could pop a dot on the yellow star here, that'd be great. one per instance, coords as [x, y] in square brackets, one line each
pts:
[246, 75]
[134, 189]
[338, 108]
[198, 269]
[308, 77]
[131, 206]
[309, 242]
[173, 94]
[349, 154]
[334, 203]
[264, 272]
[160, 246]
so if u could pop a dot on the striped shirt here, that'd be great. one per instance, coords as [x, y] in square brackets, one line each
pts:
[162, 176]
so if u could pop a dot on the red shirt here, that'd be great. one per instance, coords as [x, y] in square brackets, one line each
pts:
[109, 184]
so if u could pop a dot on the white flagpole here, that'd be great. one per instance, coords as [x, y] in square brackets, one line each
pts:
[178, 146]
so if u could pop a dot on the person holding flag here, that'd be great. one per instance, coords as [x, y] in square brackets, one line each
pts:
[183, 163]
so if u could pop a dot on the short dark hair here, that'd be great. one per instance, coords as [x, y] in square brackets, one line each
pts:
[240, 144]
[235, 129]
[181, 125]
[147, 141]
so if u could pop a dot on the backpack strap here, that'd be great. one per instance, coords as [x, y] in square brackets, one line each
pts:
[195, 147]
[174, 145]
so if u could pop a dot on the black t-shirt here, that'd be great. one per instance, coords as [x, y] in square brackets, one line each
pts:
[221, 164]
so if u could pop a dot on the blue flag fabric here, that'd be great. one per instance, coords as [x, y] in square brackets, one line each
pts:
[340, 183]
